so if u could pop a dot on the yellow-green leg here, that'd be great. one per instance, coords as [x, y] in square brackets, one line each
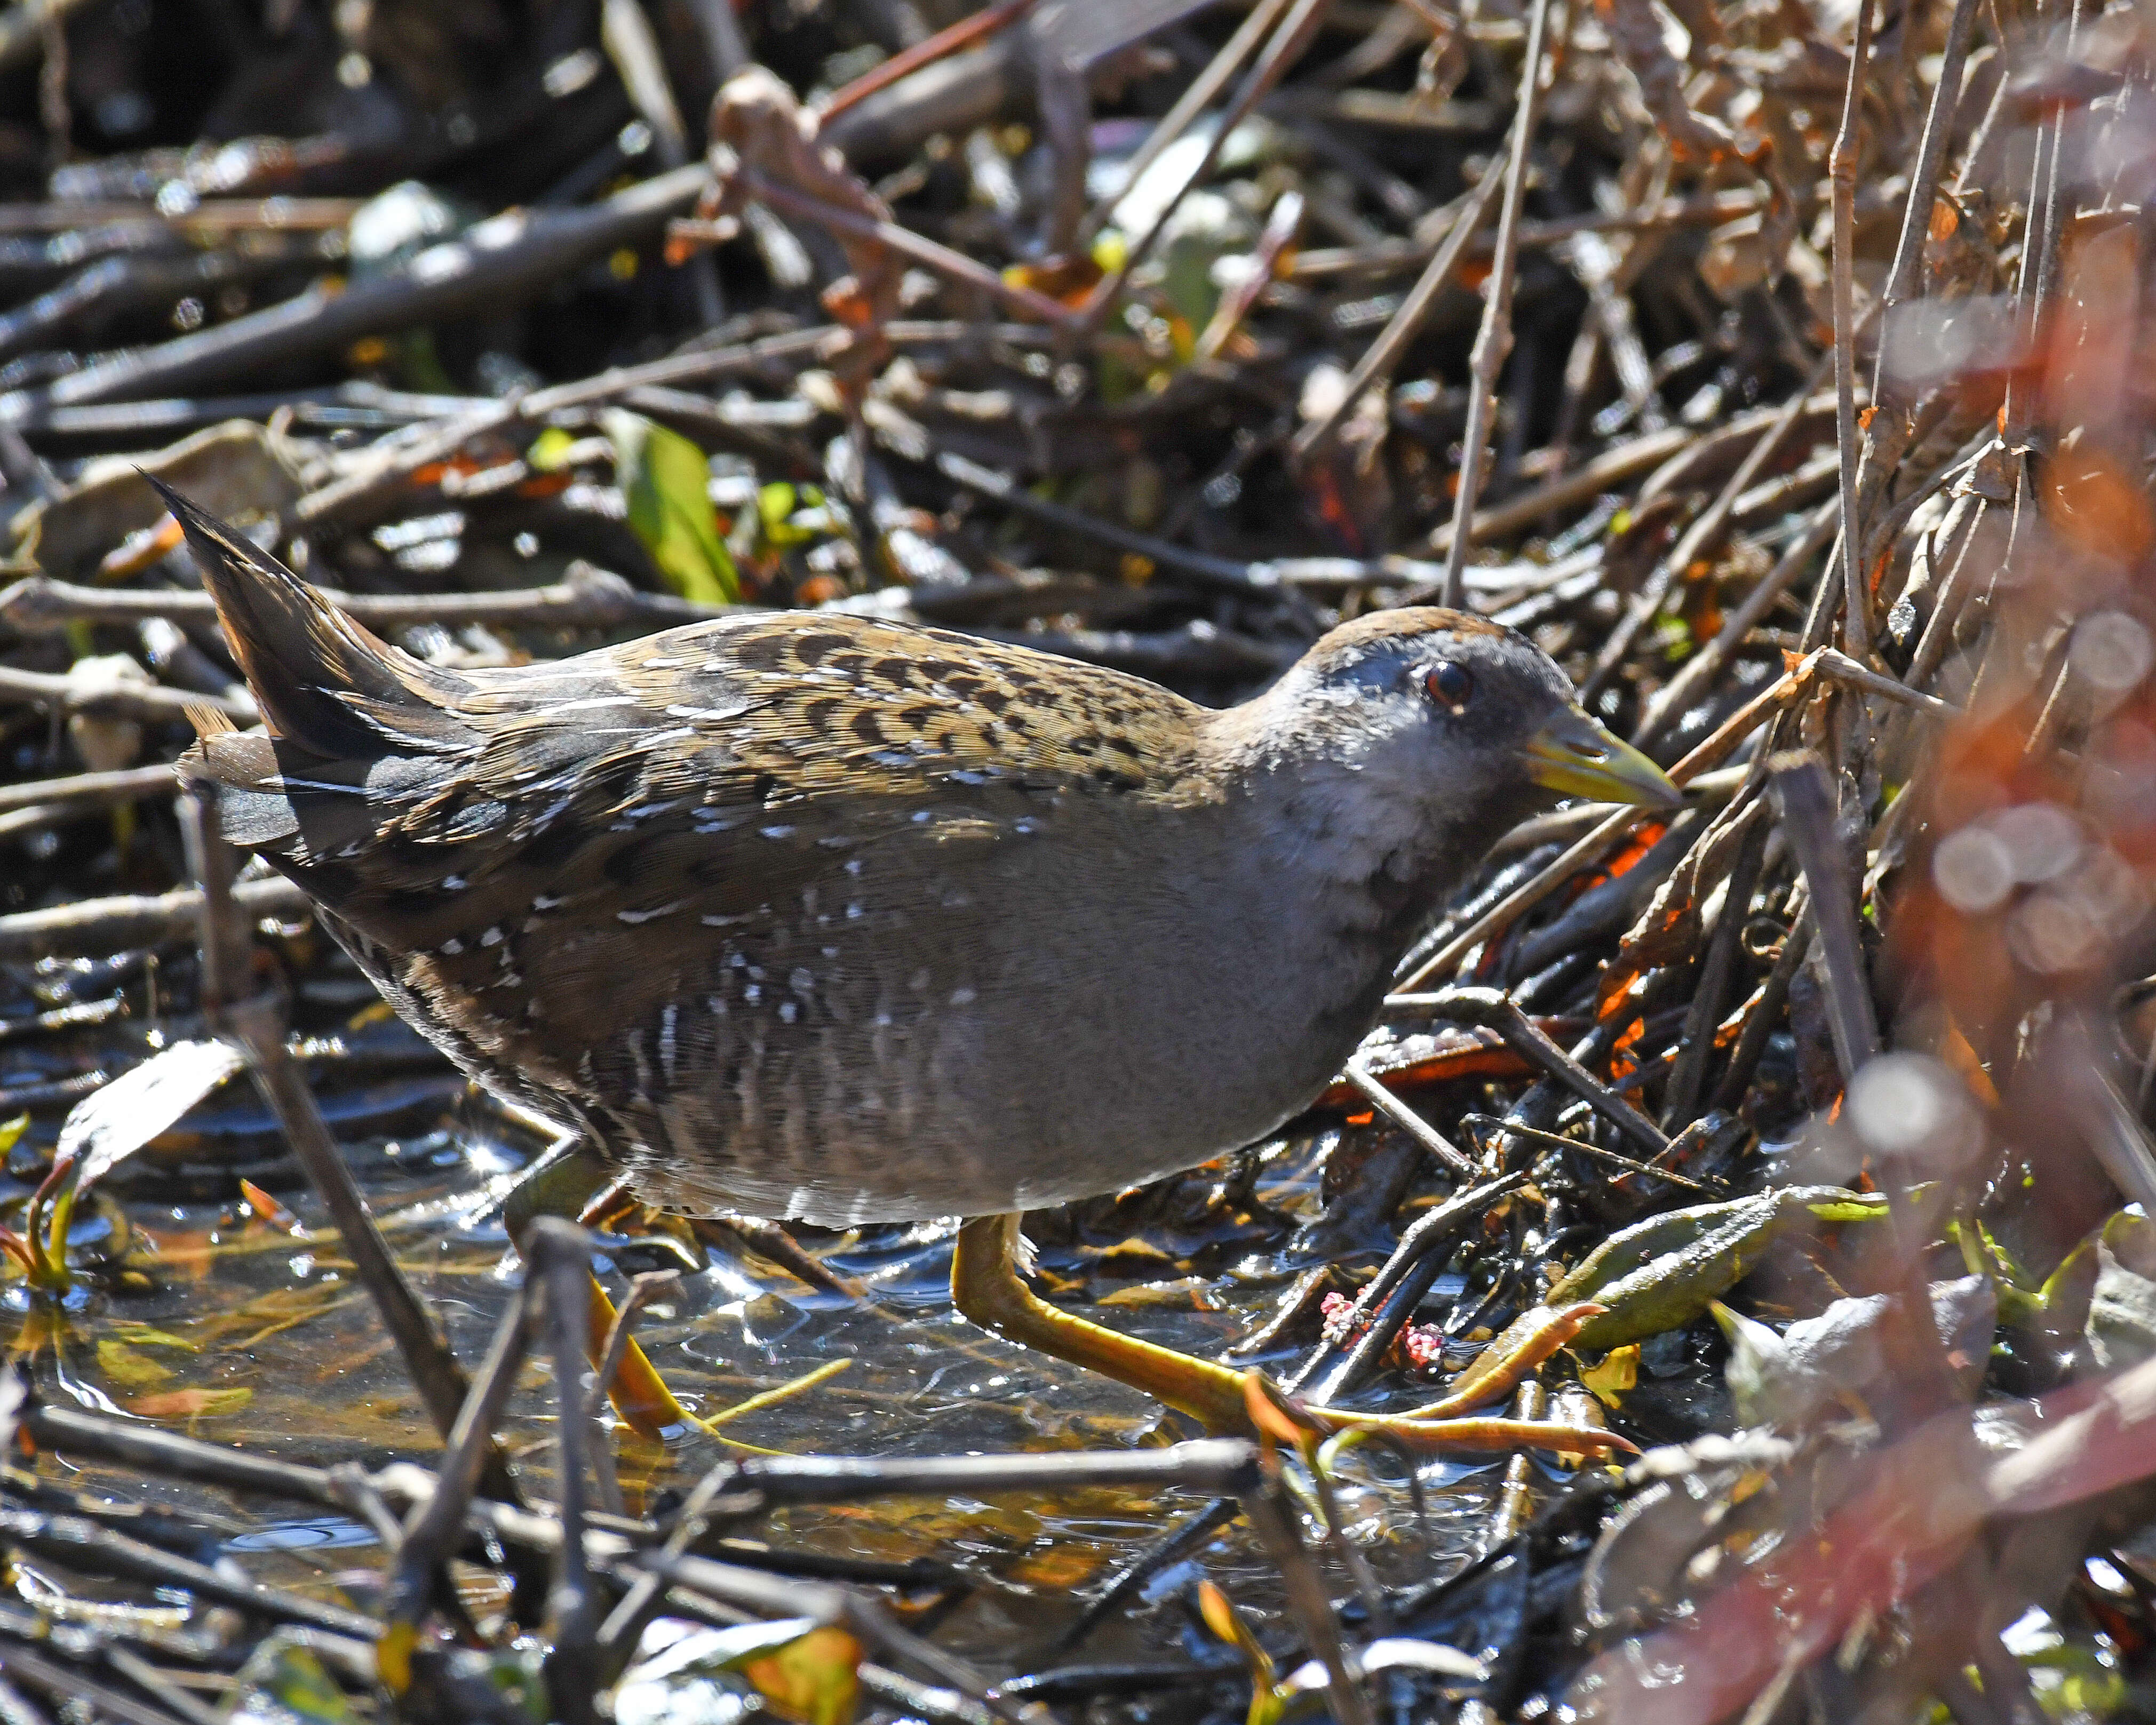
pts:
[985, 1286]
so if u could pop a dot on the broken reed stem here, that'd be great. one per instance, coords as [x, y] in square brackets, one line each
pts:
[1805, 797]
[558, 1257]
[1715, 969]
[1285, 46]
[1409, 1122]
[1375, 370]
[258, 1023]
[1493, 342]
[1901, 279]
[1841, 171]
[1308, 1604]
[1207, 85]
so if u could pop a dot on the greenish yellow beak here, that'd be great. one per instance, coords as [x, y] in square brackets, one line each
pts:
[1574, 756]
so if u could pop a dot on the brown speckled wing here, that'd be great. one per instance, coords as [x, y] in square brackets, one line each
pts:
[624, 826]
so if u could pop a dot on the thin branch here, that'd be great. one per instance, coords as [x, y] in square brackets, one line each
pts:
[1494, 341]
[1842, 172]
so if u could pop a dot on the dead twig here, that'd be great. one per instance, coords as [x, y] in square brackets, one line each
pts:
[1493, 342]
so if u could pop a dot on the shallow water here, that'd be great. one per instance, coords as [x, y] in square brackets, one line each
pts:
[248, 1330]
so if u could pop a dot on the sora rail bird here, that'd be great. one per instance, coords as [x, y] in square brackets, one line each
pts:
[816, 916]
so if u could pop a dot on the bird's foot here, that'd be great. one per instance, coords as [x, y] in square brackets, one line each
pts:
[985, 1288]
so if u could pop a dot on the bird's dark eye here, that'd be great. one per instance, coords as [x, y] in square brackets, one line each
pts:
[1450, 686]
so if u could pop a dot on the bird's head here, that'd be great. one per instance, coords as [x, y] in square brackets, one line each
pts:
[1421, 734]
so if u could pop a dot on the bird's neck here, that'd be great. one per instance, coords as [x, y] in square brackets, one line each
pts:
[1354, 878]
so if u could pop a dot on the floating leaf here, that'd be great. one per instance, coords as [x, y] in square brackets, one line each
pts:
[666, 482]
[128, 1369]
[106, 1127]
[190, 1404]
[814, 1678]
[142, 1335]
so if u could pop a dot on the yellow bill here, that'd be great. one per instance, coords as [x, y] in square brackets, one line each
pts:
[1574, 756]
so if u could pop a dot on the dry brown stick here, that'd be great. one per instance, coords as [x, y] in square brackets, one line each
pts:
[338, 498]
[1375, 367]
[1716, 967]
[257, 1024]
[1924, 183]
[2034, 286]
[1842, 172]
[1308, 1601]
[1612, 467]
[1700, 539]
[1387, 256]
[95, 926]
[1702, 667]
[941, 259]
[1502, 1013]
[1805, 796]
[218, 216]
[90, 790]
[1840, 668]
[1493, 342]
[1282, 49]
[435, 1526]
[945, 42]
[558, 1257]
[1939, 627]
[589, 598]
[486, 268]
[149, 701]
[1766, 1017]
[1194, 101]
[1409, 1121]
[346, 498]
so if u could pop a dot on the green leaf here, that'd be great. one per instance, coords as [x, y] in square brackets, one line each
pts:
[290, 1678]
[814, 1678]
[666, 482]
[549, 452]
[1660, 1274]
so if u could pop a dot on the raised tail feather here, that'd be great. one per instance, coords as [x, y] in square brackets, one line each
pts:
[334, 697]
